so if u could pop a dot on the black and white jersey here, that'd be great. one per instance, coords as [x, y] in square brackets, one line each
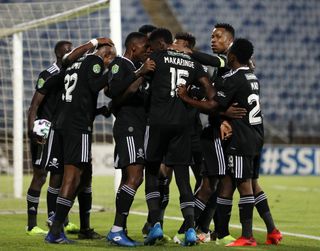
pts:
[172, 69]
[82, 82]
[242, 86]
[48, 104]
[121, 76]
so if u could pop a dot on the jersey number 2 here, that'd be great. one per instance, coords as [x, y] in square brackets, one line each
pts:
[177, 79]
[253, 118]
[70, 82]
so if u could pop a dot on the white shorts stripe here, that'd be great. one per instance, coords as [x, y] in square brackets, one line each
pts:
[146, 139]
[50, 141]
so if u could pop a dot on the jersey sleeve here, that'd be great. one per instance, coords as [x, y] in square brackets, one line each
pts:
[120, 77]
[96, 79]
[227, 93]
[43, 76]
[201, 71]
[51, 83]
[212, 60]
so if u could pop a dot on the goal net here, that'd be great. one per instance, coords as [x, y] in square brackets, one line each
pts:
[28, 33]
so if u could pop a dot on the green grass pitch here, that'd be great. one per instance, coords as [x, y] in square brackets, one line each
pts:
[294, 201]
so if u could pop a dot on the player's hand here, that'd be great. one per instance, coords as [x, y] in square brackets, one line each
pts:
[148, 66]
[225, 130]
[105, 40]
[182, 92]
[40, 140]
[235, 112]
[104, 111]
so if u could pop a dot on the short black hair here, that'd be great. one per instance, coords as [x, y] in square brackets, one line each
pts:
[227, 27]
[243, 49]
[187, 37]
[59, 44]
[132, 36]
[147, 28]
[163, 33]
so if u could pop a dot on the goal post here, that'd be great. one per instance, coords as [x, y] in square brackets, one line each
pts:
[28, 33]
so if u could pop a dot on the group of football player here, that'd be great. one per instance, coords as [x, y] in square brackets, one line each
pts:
[174, 108]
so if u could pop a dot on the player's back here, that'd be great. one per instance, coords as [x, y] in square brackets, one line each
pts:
[242, 86]
[78, 100]
[172, 69]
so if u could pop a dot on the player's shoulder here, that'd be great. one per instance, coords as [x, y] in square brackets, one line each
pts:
[121, 64]
[91, 58]
[51, 70]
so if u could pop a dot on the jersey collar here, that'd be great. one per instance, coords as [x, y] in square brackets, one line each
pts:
[128, 61]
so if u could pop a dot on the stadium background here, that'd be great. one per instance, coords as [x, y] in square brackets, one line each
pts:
[286, 36]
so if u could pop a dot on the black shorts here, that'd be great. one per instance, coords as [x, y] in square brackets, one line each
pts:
[53, 155]
[212, 151]
[76, 148]
[256, 166]
[169, 143]
[196, 150]
[37, 154]
[129, 146]
[240, 167]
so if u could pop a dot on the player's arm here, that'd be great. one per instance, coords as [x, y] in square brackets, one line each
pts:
[147, 67]
[78, 52]
[42, 88]
[234, 112]
[207, 59]
[207, 105]
[33, 109]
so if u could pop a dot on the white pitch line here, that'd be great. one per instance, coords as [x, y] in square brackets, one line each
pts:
[296, 189]
[312, 237]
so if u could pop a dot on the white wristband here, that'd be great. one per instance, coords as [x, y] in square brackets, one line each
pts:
[94, 42]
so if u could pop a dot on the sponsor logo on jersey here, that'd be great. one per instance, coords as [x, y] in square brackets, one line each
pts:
[115, 69]
[41, 82]
[96, 68]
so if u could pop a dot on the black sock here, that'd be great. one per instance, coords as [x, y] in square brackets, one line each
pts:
[63, 207]
[246, 205]
[224, 207]
[123, 203]
[153, 197]
[32, 207]
[188, 215]
[52, 195]
[85, 203]
[261, 203]
[164, 192]
[199, 206]
[204, 221]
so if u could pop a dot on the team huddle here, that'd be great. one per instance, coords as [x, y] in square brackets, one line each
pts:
[174, 108]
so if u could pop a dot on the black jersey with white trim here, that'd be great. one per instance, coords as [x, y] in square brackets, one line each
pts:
[121, 76]
[48, 104]
[172, 69]
[82, 82]
[243, 87]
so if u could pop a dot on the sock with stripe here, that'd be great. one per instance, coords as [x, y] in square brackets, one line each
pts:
[123, 203]
[85, 203]
[32, 207]
[224, 207]
[164, 193]
[204, 221]
[246, 205]
[63, 207]
[52, 195]
[199, 207]
[152, 195]
[261, 203]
